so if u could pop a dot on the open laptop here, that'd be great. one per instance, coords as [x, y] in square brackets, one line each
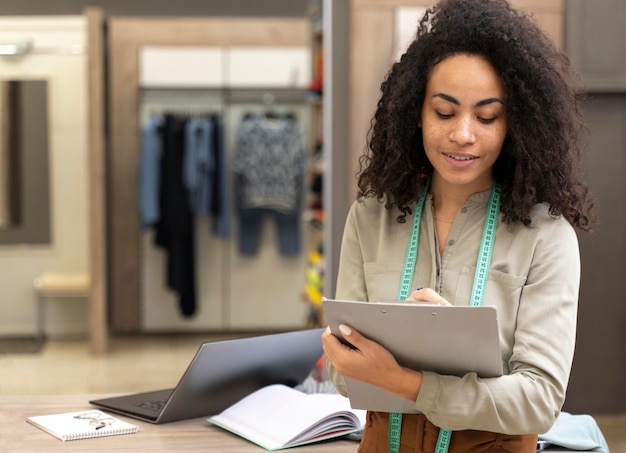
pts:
[452, 340]
[223, 372]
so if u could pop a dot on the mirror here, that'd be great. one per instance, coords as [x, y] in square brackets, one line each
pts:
[24, 173]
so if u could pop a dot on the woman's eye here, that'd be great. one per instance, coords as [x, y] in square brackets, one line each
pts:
[487, 120]
[444, 116]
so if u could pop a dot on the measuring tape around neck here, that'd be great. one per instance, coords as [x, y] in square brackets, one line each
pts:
[476, 299]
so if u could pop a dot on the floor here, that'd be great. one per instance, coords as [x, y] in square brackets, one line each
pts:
[134, 363]
[142, 363]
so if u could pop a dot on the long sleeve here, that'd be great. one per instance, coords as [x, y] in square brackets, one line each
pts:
[533, 282]
[148, 174]
[199, 165]
[220, 198]
[538, 327]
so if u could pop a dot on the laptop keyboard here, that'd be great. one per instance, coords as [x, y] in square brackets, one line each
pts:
[156, 406]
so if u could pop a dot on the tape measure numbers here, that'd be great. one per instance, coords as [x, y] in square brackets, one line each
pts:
[406, 284]
[477, 296]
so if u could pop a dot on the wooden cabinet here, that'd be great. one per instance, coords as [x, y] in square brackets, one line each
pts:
[241, 296]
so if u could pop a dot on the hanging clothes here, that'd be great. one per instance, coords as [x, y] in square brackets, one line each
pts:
[174, 229]
[205, 172]
[221, 194]
[148, 173]
[199, 164]
[182, 175]
[269, 163]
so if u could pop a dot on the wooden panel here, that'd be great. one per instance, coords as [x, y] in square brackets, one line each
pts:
[548, 13]
[98, 325]
[220, 31]
[370, 60]
[597, 43]
[371, 54]
[126, 36]
[597, 381]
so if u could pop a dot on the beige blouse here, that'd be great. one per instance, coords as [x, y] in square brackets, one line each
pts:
[533, 281]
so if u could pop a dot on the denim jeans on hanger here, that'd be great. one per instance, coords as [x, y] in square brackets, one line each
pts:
[251, 225]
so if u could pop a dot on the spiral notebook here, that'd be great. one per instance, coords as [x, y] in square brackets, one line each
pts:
[82, 425]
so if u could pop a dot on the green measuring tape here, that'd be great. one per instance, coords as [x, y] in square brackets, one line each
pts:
[476, 299]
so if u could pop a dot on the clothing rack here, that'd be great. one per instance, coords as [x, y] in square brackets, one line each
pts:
[219, 259]
[264, 96]
[176, 101]
[202, 100]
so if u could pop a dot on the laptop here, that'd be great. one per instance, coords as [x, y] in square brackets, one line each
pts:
[451, 340]
[223, 372]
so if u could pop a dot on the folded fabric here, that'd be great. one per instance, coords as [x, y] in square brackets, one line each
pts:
[575, 432]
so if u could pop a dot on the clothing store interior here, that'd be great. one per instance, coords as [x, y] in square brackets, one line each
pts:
[118, 259]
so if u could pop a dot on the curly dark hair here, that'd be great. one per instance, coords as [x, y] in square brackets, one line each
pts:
[539, 162]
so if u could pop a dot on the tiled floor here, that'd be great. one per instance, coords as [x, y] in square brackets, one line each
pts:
[142, 363]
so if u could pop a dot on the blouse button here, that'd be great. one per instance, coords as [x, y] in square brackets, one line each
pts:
[451, 242]
[463, 210]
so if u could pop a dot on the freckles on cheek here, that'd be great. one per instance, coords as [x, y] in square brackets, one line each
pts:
[499, 134]
[431, 133]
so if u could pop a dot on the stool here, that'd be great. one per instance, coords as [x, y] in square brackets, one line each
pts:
[52, 284]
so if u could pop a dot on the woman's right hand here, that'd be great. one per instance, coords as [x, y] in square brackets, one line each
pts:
[427, 295]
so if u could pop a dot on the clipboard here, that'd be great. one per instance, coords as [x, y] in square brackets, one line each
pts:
[450, 340]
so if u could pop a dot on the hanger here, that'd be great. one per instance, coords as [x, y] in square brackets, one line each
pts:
[269, 102]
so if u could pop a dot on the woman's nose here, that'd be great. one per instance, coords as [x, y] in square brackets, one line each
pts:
[463, 131]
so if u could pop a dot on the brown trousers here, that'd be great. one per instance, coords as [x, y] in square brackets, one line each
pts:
[420, 436]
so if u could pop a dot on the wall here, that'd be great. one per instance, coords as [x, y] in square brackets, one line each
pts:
[371, 56]
[189, 8]
[20, 264]
[598, 374]
[365, 32]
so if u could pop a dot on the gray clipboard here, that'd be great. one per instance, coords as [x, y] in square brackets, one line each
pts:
[451, 340]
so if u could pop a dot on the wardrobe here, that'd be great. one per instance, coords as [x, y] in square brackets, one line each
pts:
[231, 68]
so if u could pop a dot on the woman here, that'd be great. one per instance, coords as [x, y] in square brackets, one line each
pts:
[475, 141]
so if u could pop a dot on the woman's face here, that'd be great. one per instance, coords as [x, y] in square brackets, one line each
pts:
[464, 121]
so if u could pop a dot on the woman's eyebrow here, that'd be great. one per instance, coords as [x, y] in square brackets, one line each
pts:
[445, 97]
[488, 101]
[455, 101]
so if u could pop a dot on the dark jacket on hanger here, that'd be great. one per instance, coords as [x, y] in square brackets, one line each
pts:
[221, 198]
[174, 230]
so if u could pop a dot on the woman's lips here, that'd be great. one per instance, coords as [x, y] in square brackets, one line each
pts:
[459, 160]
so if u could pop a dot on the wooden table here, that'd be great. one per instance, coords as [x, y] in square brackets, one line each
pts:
[195, 435]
